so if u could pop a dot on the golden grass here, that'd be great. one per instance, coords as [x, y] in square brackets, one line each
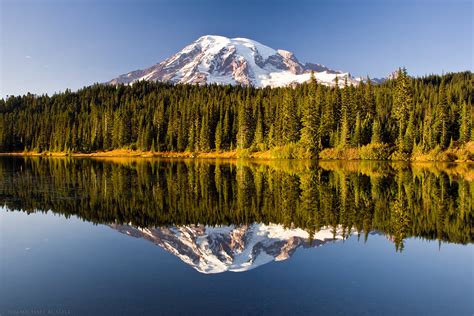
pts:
[464, 153]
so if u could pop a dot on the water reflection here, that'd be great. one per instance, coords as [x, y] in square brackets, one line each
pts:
[233, 216]
[231, 248]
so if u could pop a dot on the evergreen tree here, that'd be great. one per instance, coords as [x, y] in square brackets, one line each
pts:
[226, 130]
[290, 128]
[218, 138]
[344, 135]
[244, 134]
[376, 137]
[310, 136]
[442, 116]
[465, 123]
[402, 103]
[357, 139]
[259, 131]
[204, 135]
[369, 100]
[409, 138]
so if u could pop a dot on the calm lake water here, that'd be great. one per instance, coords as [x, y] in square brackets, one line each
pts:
[198, 237]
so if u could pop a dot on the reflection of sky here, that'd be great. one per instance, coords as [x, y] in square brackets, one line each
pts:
[77, 266]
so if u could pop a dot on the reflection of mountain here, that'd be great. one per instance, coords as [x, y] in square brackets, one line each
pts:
[393, 198]
[230, 248]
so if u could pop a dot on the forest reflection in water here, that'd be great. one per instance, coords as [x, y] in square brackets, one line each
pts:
[336, 199]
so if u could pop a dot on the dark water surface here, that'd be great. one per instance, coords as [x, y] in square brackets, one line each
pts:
[197, 237]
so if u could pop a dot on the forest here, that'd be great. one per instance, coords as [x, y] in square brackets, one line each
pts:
[400, 119]
[396, 199]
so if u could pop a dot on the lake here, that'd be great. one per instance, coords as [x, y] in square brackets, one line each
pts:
[205, 237]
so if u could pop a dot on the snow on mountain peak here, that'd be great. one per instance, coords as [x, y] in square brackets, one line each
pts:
[242, 61]
[285, 53]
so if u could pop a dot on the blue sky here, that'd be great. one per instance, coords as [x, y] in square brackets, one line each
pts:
[50, 45]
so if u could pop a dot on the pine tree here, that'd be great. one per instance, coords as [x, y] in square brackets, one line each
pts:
[369, 100]
[344, 127]
[442, 116]
[465, 123]
[402, 104]
[244, 134]
[328, 117]
[357, 139]
[409, 137]
[192, 135]
[226, 130]
[376, 137]
[204, 134]
[259, 135]
[290, 130]
[218, 138]
[310, 136]
[345, 121]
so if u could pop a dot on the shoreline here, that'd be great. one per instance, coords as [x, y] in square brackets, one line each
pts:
[235, 154]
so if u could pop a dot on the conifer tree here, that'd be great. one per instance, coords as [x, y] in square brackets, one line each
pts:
[310, 136]
[442, 116]
[244, 134]
[192, 135]
[409, 137]
[465, 123]
[369, 100]
[226, 130]
[402, 104]
[290, 130]
[357, 139]
[259, 133]
[218, 138]
[376, 137]
[204, 134]
[344, 127]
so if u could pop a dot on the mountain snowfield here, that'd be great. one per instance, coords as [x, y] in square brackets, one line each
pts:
[230, 248]
[235, 61]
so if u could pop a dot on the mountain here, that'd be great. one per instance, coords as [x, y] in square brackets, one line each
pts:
[222, 60]
[230, 248]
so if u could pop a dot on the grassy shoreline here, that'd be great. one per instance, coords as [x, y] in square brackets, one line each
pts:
[456, 154]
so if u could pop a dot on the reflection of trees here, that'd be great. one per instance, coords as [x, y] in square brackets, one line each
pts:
[397, 200]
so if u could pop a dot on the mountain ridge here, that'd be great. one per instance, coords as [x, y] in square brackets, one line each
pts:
[236, 61]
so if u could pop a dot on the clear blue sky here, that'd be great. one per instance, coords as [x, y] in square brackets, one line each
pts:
[50, 45]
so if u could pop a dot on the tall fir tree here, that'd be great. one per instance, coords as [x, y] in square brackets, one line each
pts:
[218, 137]
[442, 117]
[244, 133]
[402, 104]
[465, 123]
[376, 137]
[310, 135]
[290, 128]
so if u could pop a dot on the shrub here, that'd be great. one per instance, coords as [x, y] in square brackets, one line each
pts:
[289, 151]
[244, 153]
[375, 151]
[339, 154]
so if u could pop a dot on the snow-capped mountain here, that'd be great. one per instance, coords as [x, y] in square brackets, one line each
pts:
[222, 60]
[230, 248]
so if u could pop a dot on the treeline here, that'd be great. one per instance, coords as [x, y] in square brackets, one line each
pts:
[396, 200]
[404, 114]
